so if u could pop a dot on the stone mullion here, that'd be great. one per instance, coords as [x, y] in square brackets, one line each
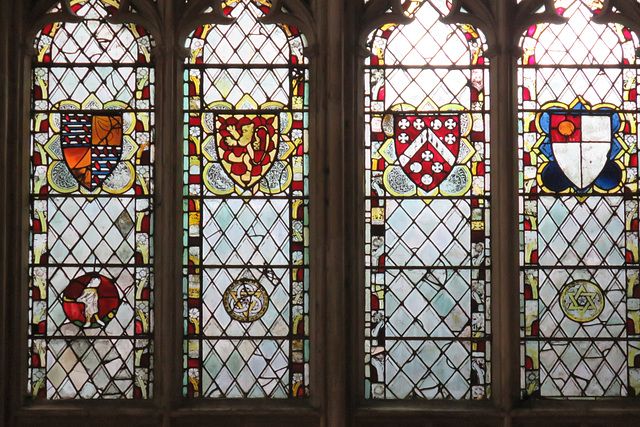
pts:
[168, 225]
[332, 325]
[5, 12]
[504, 210]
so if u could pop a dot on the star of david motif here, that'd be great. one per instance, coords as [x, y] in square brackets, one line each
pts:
[245, 300]
[581, 300]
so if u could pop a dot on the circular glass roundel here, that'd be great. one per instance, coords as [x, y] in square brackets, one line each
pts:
[91, 300]
[245, 300]
[581, 300]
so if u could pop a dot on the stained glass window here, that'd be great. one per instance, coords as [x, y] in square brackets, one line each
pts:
[427, 326]
[245, 208]
[91, 222]
[579, 207]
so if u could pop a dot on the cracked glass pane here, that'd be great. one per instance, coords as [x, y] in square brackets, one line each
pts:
[427, 323]
[91, 222]
[579, 207]
[246, 261]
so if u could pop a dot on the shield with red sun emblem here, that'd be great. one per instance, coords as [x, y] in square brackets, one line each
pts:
[91, 145]
[247, 146]
[581, 142]
[427, 146]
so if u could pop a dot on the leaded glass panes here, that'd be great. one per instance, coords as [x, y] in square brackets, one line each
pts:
[245, 208]
[427, 324]
[91, 222]
[579, 208]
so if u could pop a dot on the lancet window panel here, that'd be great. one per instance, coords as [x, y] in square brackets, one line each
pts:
[427, 323]
[246, 261]
[579, 207]
[91, 208]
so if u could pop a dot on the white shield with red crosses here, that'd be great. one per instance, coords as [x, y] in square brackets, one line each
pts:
[427, 146]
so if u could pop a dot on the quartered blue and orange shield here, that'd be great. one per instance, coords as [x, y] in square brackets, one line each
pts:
[91, 145]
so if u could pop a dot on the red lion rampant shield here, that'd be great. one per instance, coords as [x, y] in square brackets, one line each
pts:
[247, 146]
[427, 146]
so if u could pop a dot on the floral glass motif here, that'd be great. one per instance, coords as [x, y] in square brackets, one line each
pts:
[578, 115]
[427, 326]
[246, 218]
[91, 223]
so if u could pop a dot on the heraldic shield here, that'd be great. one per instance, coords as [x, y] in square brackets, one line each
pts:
[247, 146]
[581, 145]
[427, 146]
[91, 145]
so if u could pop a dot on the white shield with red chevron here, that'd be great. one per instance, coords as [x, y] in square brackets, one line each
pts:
[427, 146]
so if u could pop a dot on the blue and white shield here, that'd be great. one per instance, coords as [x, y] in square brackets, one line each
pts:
[581, 145]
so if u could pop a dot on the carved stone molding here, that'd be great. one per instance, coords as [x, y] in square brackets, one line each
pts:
[378, 13]
[474, 12]
[141, 12]
[290, 12]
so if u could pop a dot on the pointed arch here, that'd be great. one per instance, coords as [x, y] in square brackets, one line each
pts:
[91, 221]
[246, 215]
[578, 190]
[427, 331]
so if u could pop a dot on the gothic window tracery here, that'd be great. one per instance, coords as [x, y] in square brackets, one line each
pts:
[427, 326]
[91, 200]
[246, 194]
[578, 190]
[249, 188]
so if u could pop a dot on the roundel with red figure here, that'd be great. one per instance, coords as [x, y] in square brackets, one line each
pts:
[91, 300]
